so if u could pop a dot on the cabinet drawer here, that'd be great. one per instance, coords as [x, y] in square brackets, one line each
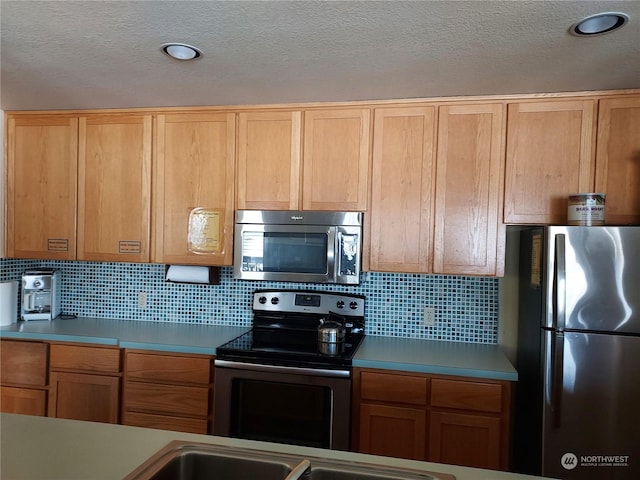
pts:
[393, 388]
[166, 399]
[23, 400]
[91, 359]
[483, 397]
[23, 363]
[164, 422]
[168, 368]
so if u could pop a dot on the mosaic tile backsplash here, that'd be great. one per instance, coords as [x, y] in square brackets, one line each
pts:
[466, 307]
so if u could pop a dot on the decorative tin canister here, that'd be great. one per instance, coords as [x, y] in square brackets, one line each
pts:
[586, 209]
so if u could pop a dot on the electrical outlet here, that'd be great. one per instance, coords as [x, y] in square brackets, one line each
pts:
[429, 316]
[142, 299]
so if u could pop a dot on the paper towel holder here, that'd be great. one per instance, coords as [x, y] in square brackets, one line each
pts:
[213, 276]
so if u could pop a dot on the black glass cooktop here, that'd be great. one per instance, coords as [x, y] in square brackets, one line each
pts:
[285, 330]
[288, 348]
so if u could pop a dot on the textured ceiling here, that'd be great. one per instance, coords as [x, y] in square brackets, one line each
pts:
[106, 54]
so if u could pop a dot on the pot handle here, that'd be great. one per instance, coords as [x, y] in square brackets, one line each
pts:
[338, 318]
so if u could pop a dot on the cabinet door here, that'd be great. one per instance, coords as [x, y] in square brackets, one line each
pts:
[401, 213]
[550, 155]
[393, 431]
[194, 188]
[618, 159]
[268, 175]
[336, 159]
[42, 161]
[114, 188]
[469, 234]
[463, 439]
[81, 396]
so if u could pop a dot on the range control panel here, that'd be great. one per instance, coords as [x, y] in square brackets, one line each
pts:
[293, 301]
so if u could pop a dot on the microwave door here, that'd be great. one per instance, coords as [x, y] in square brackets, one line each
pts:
[300, 253]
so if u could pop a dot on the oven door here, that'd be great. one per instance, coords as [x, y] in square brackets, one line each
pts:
[298, 253]
[288, 405]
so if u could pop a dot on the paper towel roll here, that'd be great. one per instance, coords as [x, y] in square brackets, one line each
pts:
[188, 274]
[8, 302]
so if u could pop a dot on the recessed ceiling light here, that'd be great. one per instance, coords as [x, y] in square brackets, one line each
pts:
[181, 51]
[599, 24]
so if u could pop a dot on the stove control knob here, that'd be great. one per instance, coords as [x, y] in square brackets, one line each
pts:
[275, 300]
[340, 304]
[353, 305]
[262, 300]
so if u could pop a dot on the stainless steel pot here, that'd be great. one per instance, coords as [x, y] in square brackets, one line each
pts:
[331, 333]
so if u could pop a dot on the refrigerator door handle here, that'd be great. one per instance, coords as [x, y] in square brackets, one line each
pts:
[557, 373]
[560, 291]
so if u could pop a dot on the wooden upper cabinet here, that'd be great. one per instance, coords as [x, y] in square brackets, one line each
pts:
[469, 234]
[550, 155]
[193, 186]
[114, 188]
[42, 159]
[269, 148]
[618, 159]
[336, 159]
[401, 214]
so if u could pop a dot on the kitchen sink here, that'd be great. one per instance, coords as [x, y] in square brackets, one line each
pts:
[369, 472]
[197, 461]
[190, 461]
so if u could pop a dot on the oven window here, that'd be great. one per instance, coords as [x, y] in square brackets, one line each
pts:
[295, 252]
[281, 412]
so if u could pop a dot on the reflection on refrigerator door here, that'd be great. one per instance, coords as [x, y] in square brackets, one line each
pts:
[591, 415]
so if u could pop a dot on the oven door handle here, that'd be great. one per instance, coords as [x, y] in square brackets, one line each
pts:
[315, 372]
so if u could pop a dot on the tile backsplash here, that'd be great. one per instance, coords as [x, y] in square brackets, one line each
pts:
[466, 307]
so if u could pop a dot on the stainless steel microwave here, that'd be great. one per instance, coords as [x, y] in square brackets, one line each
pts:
[298, 246]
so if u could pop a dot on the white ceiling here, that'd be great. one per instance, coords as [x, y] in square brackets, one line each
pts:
[106, 54]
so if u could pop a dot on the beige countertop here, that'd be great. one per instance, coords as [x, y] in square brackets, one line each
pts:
[41, 448]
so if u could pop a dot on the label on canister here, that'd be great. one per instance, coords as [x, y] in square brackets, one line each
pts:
[586, 209]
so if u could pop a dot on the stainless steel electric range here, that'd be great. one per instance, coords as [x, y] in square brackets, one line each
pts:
[278, 382]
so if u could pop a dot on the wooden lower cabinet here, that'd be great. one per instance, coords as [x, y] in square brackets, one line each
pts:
[83, 396]
[455, 420]
[84, 383]
[169, 391]
[23, 375]
[393, 431]
[465, 439]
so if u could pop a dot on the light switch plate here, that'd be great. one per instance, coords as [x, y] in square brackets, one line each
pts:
[142, 299]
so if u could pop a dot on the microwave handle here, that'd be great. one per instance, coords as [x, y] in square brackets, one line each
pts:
[340, 253]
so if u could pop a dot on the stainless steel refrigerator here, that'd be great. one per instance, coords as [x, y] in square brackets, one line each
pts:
[577, 412]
